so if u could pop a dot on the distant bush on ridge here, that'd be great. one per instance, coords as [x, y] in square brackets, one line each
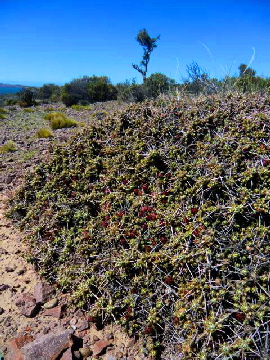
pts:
[87, 90]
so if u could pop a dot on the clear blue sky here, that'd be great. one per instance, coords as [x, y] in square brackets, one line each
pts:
[44, 41]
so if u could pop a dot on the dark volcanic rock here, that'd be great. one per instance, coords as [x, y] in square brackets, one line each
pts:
[43, 292]
[27, 305]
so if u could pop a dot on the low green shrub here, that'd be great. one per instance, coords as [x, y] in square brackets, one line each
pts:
[28, 110]
[9, 146]
[2, 117]
[44, 133]
[3, 111]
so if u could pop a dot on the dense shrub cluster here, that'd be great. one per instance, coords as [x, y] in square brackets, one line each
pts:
[159, 220]
[152, 87]
[87, 90]
[27, 98]
[49, 92]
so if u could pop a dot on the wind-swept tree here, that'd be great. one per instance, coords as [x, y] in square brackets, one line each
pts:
[244, 70]
[148, 45]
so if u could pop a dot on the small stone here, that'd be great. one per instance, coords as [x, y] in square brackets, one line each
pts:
[54, 312]
[85, 352]
[43, 292]
[27, 305]
[84, 325]
[21, 271]
[131, 343]
[1, 310]
[67, 355]
[10, 178]
[96, 338]
[45, 330]
[50, 304]
[86, 339]
[119, 355]
[9, 269]
[73, 321]
[77, 354]
[47, 347]
[3, 287]
[110, 357]
[100, 346]
[16, 286]
[79, 313]
[109, 336]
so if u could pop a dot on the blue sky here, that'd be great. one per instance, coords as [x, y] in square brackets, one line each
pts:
[59, 40]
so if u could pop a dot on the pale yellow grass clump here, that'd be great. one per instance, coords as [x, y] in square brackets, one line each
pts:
[58, 121]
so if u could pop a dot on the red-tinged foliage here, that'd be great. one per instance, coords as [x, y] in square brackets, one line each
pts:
[148, 330]
[169, 206]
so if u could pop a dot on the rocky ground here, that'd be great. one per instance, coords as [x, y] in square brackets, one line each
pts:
[36, 321]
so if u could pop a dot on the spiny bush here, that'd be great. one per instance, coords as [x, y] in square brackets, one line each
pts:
[9, 146]
[159, 220]
[59, 120]
[44, 133]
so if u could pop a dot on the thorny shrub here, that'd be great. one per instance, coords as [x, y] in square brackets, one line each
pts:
[158, 219]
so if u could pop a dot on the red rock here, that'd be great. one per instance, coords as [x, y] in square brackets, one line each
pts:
[43, 292]
[27, 305]
[67, 355]
[46, 347]
[54, 312]
[100, 346]
[16, 344]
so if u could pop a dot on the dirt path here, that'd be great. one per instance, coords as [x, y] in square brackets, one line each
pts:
[16, 277]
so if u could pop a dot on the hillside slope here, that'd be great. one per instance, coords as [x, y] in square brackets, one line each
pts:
[158, 219]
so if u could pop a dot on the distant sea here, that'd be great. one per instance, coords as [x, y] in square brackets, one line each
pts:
[9, 90]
